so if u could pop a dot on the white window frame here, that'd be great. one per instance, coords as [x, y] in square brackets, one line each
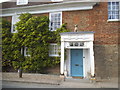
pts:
[119, 12]
[22, 3]
[56, 0]
[55, 55]
[51, 19]
[25, 51]
[15, 19]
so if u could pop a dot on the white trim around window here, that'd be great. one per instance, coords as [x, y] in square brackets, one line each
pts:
[55, 20]
[22, 2]
[113, 11]
[54, 50]
[26, 51]
[56, 0]
[15, 19]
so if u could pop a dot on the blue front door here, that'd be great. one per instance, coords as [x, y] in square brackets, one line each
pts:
[77, 62]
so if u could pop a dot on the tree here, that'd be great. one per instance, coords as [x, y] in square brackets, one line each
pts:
[33, 33]
[58, 31]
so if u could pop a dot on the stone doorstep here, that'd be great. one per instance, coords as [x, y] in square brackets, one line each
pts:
[77, 80]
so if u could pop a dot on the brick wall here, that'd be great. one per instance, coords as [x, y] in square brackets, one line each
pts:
[45, 14]
[9, 18]
[94, 20]
[106, 37]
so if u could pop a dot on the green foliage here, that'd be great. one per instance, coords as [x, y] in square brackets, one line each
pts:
[32, 32]
[6, 43]
[55, 35]
[58, 31]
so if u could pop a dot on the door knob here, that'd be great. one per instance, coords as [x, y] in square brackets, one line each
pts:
[76, 64]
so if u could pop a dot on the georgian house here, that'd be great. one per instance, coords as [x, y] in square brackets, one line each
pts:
[92, 45]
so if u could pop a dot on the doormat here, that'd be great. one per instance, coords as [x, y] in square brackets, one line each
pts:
[78, 77]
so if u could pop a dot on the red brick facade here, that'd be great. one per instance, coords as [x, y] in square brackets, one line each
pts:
[94, 20]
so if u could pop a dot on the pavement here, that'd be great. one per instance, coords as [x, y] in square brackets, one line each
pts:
[34, 78]
[59, 80]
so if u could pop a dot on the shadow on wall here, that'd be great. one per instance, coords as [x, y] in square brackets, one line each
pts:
[106, 61]
[54, 70]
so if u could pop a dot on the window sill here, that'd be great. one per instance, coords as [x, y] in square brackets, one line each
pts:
[113, 20]
[54, 55]
[56, 0]
[14, 31]
[21, 4]
[27, 55]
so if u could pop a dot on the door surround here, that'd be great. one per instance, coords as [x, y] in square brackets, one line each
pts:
[77, 40]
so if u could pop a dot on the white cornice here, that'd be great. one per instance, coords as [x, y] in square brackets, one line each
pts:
[46, 8]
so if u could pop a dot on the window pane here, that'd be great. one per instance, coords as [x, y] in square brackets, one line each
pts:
[117, 13]
[109, 12]
[117, 7]
[26, 52]
[113, 7]
[117, 16]
[117, 3]
[109, 17]
[55, 19]
[113, 3]
[20, 2]
[54, 50]
[14, 28]
[109, 3]
[59, 15]
[113, 10]
[113, 16]
[109, 8]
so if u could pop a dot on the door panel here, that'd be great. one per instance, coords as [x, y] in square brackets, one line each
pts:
[77, 62]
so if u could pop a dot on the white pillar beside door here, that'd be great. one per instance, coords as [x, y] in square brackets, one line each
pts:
[92, 60]
[62, 58]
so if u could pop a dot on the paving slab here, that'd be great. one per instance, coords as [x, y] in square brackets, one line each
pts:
[35, 78]
[59, 80]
